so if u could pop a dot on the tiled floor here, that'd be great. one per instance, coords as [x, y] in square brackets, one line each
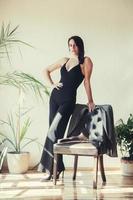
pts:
[28, 186]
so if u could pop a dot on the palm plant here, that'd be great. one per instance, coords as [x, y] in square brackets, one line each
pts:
[15, 137]
[23, 82]
[18, 128]
[8, 39]
[17, 79]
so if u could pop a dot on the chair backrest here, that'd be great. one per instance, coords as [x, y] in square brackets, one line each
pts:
[98, 126]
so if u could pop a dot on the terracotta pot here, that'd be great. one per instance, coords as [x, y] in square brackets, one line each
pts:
[18, 162]
[127, 167]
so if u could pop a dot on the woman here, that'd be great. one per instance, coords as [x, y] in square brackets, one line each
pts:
[63, 98]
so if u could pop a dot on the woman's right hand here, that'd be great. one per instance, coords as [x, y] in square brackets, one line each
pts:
[57, 85]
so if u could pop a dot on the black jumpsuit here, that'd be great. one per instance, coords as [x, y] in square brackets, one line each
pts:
[62, 103]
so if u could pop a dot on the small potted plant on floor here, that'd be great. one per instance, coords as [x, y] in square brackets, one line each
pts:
[17, 124]
[124, 133]
[14, 136]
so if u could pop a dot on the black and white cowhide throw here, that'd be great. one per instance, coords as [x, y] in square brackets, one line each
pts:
[94, 127]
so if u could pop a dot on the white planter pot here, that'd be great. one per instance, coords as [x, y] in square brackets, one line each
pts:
[18, 162]
[127, 167]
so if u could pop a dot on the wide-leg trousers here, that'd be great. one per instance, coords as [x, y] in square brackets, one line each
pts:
[59, 114]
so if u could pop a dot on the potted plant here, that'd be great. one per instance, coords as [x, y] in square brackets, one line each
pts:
[17, 159]
[18, 124]
[23, 82]
[124, 133]
[15, 138]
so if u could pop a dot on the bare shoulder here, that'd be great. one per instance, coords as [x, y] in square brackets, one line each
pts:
[87, 67]
[65, 59]
[57, 64]
[88, 62]
[61, 61]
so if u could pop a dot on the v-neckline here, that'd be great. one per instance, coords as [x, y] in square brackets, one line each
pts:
[71, 67]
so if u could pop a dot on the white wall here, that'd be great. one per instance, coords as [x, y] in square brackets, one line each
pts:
[106, 28]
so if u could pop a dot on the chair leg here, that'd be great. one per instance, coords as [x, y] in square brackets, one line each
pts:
[55, 168]
[102, 168]
[95, 173]
[75, 166]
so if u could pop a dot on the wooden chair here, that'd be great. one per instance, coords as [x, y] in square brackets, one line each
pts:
[80, 149]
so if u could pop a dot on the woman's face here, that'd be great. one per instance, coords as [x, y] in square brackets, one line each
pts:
[73, 47]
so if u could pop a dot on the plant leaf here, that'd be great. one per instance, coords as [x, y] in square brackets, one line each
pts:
[31, 140]
[24, 129]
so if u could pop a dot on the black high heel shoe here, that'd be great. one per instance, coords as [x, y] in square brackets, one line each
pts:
[50, 176]
[58, 174]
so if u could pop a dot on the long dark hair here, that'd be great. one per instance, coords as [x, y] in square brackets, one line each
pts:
[80, 44]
